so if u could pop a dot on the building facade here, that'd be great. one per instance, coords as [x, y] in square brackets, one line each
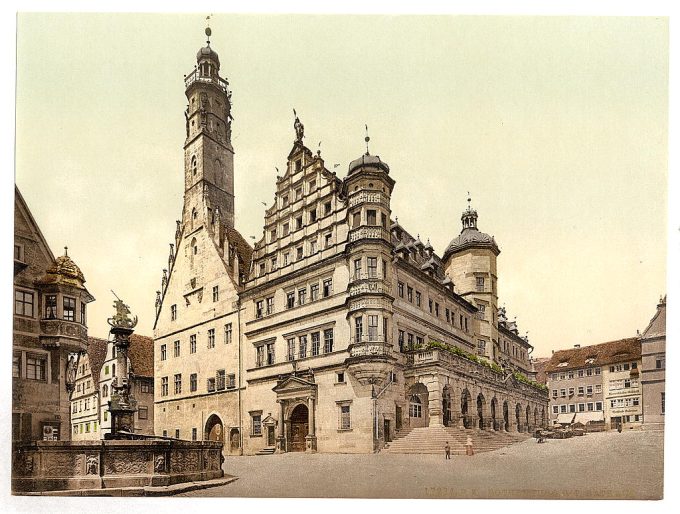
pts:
[90, 418]
[49, 332]
[595, 384]
[339, 328]
[653, 372]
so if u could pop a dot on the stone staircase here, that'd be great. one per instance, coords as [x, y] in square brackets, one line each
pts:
[269, 450]
[433, 439]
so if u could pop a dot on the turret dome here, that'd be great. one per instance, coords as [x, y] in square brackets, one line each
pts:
[470, 236]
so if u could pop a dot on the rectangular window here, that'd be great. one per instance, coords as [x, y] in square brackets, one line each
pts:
[257, 424]
[23, 303]
[480, 284]
[327, 287]
[211, 384]
[260, 356]
[572, 407]
[598, 388]
[274, 264]
[598, 405]
[270, 305]
[591, 406]
[481, 347]
[36, 367]
[83, 318]
[581, 407]
[314, 292]
[164, 386]
[400, 289]
[18, 254]
[570, 375]
[589, 390]
[372, 327]
[419, 298]
[345, 420]
[358, 329]
[659, 363]
[290, 300]
[598, 371]
[302, 340]
[193, 382]
[176, 352]
[216, 293]
[372, 265]
[286, 229]
[211, 338]
[328, 340]
[409, 339]
[178, 383]
[272, 235]
[145, 387]
[51, 306]
[401, 341]
[173, 312]
[563, 409]
[300, 253]
[298, 223]
[356, 219]
[327, 208]
[448, 315]
[16, 365]
[312, 247]
[555, 409]
[581, 390]
[436, 309]
[192, 343]
[271, 358]
[563, 393]
[554, 393]
[371, 217]
[231, 381]
[571, 391]
[302, 296]
[143, 413]
[409, 294]
[580, 373]
[263, 269]
[194, 434]
[290, 354]
[259, 308]
[298, 191]
[327, 239]
[663, 403]
[589, 372]
[312, 215]
[220, 380]
[227, 333]
[340, 377]
[430, 303]
[316, 343]
[177, 433]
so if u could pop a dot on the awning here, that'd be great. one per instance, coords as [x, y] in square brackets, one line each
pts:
[565, 418]
[585, 417]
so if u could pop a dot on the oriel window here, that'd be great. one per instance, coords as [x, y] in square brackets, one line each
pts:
[51, 306]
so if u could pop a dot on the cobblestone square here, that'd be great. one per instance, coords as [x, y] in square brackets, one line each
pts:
[595, 466]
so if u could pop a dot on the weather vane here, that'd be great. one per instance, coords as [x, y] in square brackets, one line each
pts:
[208, 32]
[367, 139]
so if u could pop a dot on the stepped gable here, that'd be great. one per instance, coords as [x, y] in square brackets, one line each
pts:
[141, 355]
[96, 353]
[621, 350]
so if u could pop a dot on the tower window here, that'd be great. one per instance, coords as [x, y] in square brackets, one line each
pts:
[194, 165]
[371, 217]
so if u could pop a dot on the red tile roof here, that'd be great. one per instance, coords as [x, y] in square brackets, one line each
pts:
[602, 354]
[140, 353]
[540, 363]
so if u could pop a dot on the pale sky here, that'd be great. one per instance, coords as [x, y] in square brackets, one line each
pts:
[556, 126]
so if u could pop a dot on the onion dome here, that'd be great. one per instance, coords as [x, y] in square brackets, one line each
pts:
[64, 271]
[207, 53]
[368, 161]
[470, 236]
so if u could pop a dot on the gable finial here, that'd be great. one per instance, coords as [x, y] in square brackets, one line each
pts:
[66, 251]
[299, 128]
[367, 139]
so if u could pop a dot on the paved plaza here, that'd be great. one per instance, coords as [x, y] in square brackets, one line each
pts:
[604, 465]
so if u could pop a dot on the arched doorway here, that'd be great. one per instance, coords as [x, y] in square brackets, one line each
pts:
[446, 406]
[234, 439]
[494, 423]
[299, 428]
[506, 417]
[465, 401]
[518, 417]
[418, 411]
[526, 424]
[481, 403]
[535, 417]
[214, 430]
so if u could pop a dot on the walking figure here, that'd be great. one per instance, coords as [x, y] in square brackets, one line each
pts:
[468, 447]
[447, 450]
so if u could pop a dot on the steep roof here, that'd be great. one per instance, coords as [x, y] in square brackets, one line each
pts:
[244, 250]
[601, 354]
[141, 355]
[539, 364]
[657, 325]
[96, 352]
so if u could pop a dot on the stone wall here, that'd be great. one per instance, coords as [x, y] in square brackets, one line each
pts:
[58, 465]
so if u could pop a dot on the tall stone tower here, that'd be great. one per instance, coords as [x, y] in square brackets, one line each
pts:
[368, 187]
[208, 154]
[470, 260]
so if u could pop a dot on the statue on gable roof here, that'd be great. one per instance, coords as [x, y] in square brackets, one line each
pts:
[299, 128]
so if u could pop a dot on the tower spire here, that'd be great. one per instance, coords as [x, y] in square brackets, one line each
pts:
[208, 32]
[367, 139]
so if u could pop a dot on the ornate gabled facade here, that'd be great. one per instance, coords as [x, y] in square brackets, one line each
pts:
[339, 328]
[50, 332]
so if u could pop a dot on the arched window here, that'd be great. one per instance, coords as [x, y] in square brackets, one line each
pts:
[415, 407]
[194, 246]
[113, 369]
[194, 165]
[105, 391]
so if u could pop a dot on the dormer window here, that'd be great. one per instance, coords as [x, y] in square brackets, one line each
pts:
[563, 364]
